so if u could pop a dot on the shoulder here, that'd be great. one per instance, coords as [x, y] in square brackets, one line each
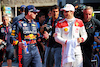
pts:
[95, 20]
[62, 20]
[78, 20]
[62, 23]
[1, 25]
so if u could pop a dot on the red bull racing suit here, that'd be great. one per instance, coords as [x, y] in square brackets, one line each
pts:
[29, 34]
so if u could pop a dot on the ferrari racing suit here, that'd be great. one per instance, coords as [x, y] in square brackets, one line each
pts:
[68, 30]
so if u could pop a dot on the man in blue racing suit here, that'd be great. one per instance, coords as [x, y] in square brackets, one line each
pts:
[28, 29]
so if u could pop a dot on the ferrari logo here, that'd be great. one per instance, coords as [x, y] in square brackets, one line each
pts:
[77, 24]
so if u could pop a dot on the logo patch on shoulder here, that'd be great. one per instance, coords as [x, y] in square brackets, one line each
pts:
[2, 30]
[76, 23]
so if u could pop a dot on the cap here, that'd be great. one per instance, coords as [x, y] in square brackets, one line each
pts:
[68, 7]
[32, 8]
[22, 7]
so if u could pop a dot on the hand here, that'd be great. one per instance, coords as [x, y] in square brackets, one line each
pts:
[54, 34]
[39, 39]
[22, 45]
[79, 40]
[46, 35]
[43, 48]
[44, 25]
[0, 41]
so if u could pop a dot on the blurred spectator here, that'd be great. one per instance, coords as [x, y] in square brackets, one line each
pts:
[49, 15]
[91, 25]
[5, 36]
[22, 14]
[40, 44]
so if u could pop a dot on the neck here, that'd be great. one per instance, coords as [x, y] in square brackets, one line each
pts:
[28, 18]
[54, 18]
[6, 24]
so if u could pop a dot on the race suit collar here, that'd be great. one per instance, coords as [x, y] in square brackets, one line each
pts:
[27, 20]
[70, 20]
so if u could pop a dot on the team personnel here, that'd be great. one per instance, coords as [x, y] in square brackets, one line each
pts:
[53, 49]
[5, 36]
[91, 25]
[70, 32]
[28, 29]
[22, 14]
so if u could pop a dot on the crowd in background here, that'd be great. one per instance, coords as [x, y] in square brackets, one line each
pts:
[61, 41]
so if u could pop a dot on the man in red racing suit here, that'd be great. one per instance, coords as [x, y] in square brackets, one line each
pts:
[70, 32]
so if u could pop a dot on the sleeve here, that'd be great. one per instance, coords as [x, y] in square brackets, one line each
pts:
[1, 36]
[83, 32]
[14, 33]
[58, 35]
[97, 22]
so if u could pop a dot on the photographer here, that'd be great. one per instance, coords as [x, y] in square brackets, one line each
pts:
[5, 32]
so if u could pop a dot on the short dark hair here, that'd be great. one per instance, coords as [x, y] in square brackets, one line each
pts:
[49, 9]
[41, 14]
[54, 7]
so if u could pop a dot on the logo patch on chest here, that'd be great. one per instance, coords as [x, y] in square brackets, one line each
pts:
[66, 29]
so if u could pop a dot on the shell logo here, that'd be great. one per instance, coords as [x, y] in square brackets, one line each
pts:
[66, 29]
[13, 31]
[77, 24]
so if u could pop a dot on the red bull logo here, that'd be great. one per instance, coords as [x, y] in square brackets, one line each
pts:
[30, 36]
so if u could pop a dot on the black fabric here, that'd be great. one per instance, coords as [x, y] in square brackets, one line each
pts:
[52, 42]
[90, 27]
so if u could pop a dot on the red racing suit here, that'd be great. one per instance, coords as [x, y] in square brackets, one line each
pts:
[67, 30]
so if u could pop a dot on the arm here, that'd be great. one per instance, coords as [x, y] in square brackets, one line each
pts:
[83, 32]
[58, 34]
[97, 22]
[14, 34]
[96, 39]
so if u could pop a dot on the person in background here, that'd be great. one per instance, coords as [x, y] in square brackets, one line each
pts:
[91, 25]
[29, 34]
[21, 16]
[5, 36]
[41, 44]
[53, 49]
[70, 32]
[49, 15]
